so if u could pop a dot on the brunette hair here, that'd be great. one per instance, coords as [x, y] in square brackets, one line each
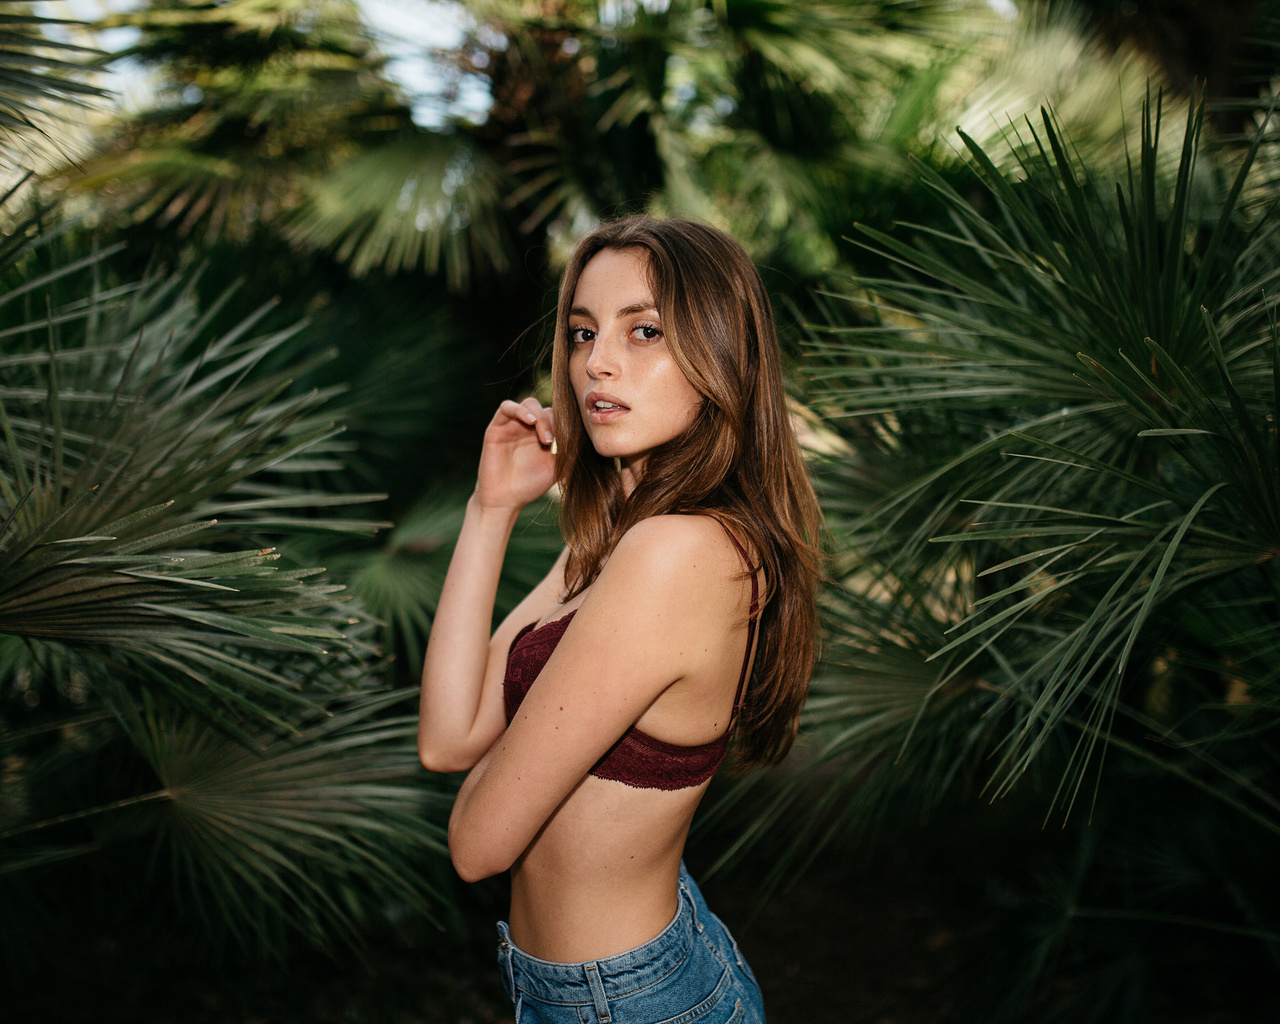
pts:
[738, 462]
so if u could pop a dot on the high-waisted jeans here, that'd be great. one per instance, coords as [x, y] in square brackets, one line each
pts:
[691, 972]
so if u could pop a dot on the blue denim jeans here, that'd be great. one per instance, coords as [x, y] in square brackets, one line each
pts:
[691, 972]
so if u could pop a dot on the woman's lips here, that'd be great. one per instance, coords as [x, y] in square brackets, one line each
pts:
[604, 408]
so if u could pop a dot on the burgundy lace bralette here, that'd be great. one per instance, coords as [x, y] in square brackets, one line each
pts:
[637, 759]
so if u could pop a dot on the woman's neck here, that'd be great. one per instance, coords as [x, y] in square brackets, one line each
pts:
[630, 470]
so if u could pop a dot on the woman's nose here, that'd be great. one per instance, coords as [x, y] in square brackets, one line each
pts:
[603, 361]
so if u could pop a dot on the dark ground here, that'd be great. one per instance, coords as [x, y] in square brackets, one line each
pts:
[884, 934]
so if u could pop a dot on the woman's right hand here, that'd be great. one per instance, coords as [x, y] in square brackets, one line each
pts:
[461, 710]
[516, 464]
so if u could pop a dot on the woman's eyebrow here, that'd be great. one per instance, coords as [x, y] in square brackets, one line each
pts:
[647, 306]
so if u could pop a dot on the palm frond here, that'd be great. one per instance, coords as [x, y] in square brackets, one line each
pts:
[1049, 56]
[174, 707]
[132, 446]
[1077, 513]
[253, 101]
[39, 73]
[425, 200]
[313, 831]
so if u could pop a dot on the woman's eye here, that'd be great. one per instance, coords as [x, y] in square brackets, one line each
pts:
[648, 332]
[579, 335]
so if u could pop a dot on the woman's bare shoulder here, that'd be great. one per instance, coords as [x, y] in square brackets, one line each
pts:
[678, 533]
[683, 551]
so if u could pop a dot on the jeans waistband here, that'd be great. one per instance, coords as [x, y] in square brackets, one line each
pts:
[599, 981]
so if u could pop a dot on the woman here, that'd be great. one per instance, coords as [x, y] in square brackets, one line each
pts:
[681, 610]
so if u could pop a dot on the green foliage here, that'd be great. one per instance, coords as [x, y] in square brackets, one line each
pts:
[1056, 531]
[258, 98]
[1053, 510]
[426, 200]
[41, 77]
[744, 113]
[400, 583]
[174, 708]
[317, 830]
[122, 448]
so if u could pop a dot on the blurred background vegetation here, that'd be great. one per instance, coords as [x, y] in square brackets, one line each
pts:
[259, 293]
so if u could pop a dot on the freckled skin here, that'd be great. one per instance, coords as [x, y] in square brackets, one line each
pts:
[619, 349]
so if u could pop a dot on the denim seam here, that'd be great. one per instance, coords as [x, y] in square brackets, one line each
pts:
[710, 1003]
[656, 981]
[716, 951]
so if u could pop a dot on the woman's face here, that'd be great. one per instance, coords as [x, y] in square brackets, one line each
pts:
[631, 394]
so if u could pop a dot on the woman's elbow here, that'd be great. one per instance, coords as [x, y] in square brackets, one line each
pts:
[444, 761]
[469, 872]
[445, 750]
[473, 860]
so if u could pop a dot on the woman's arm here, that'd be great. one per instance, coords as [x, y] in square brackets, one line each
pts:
[460, 713]
[643, 626]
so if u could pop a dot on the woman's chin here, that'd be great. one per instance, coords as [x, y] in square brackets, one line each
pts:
[607, 450]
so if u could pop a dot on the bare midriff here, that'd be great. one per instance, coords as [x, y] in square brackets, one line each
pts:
[601, 876]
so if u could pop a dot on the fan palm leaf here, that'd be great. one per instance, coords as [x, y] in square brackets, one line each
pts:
[168, 695]
[258, 97]
[425, 201]
[1061, 420]
[1054, 546]
[39, 73]
[317, 831]
[127, 446]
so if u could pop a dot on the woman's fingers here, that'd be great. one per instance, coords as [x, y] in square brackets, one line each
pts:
[520, 411]
[546, 426]
[532, 413]
[514, 464]
[542, 420]
[551, 428]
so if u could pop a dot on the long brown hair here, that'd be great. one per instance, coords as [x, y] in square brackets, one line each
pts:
[738, 461]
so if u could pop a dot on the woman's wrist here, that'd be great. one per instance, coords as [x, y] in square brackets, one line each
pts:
[502, 513]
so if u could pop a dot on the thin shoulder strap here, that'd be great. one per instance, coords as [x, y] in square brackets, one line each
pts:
[751, 623]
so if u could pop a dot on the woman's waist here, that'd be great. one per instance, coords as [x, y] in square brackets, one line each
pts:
[620, 970]
[594, 905]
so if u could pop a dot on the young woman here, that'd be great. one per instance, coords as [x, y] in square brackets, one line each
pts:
[680, 613]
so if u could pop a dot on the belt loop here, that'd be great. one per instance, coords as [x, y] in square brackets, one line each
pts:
[592, 971]
[693, 904]
[508, 965]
